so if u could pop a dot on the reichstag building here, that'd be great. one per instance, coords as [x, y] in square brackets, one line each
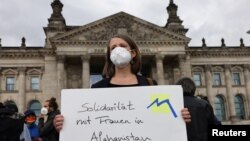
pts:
[74, 56]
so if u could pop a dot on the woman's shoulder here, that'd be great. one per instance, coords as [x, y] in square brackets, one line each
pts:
[145, 81]
[101, 84]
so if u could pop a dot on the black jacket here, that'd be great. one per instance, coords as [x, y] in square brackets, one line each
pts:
[202, 118]
[142, 81]
[47, 129]
[11, 127]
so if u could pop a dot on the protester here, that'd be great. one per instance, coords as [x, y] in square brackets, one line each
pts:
[1, 105]
[201, 112]
[46, 128]
[122, 68]
[217, 121]
[12, 126]
[30, 120]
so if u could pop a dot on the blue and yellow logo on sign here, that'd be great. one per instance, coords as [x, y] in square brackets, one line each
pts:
[160, 103]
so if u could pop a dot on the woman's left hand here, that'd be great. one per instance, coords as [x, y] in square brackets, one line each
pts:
[186, 115]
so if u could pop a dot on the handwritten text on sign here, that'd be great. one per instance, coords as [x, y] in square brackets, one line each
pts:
[123, 114]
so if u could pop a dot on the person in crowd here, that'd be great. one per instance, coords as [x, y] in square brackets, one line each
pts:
[1, 105]
[46, 128]
[122, 68]
[200, 110]
[217, 121]
[12, 126]
[30, 120]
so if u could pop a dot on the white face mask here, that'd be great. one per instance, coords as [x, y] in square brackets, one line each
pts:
[120, 57]
[44, 111]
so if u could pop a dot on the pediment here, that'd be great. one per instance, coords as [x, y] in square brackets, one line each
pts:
[120, 23]
[9, 72]
[218, 69]
[34, 72]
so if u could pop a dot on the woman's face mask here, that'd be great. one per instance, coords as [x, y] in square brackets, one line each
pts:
[44, 111]
[120, 57]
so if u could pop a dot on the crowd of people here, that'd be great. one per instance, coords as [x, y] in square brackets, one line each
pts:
[122, 69]
[16, 126]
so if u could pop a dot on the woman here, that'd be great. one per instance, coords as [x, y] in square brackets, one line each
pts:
[30, 120]
[123, 63]
[46, 128]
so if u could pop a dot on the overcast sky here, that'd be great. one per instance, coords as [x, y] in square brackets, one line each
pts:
[211, 19]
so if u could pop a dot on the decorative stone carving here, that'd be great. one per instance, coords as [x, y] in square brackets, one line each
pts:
[147, 51]
[197, 69]
[204, 42]
[217, 68]
[23, 44]
[99, 50]
[27, 53]
[125, 23]
[223, 42]
[34, 71]
[242, 43]
[9, 71]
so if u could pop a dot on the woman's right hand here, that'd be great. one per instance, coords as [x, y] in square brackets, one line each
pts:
[58, 122]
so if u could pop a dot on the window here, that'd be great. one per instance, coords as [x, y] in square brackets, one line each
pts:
[197, 79]
[216, 79]
[35, 106]
[239, 107]
[10, 83]
[236, 78]
[94, 78]
[35, 83]
[219, 108]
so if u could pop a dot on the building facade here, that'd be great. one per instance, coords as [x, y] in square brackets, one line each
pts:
[73, 57]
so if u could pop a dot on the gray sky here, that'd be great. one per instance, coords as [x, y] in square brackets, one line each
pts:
[211, 19]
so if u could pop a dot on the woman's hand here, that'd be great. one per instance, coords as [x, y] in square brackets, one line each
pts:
[186, 115]
[58, 122]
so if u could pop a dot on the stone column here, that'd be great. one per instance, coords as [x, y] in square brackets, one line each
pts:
[85, 71]
[176, 74]
[184, 64]
[230, 95]
[160, 70]
[247, 85]
[21, 91]
[60, 75]
[209, 84]
[188, 66]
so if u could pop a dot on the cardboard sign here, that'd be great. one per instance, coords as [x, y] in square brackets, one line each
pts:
[150, 113]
